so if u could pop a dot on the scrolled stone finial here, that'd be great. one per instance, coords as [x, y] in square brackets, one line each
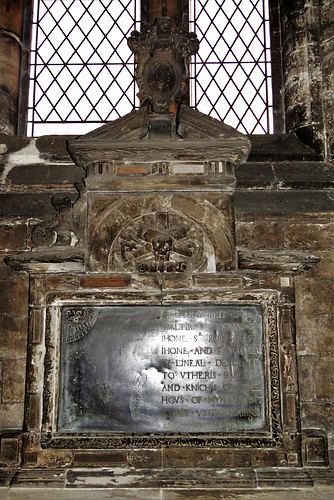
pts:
[162, 53]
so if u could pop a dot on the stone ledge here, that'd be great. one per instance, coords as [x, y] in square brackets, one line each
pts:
[324, 493]
[279, 175]
[278, 161]
[243, 479]
[277, 203]
[248, 203]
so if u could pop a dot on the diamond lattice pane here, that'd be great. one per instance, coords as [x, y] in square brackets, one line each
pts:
[81, 67]
[230, 77]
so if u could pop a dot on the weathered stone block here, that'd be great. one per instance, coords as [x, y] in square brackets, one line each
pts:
[324, 296]
[100, 458]
[183, 494]
[13, 236]
[14, 299]
[11, 416]
[54, 147]
[10, 451]
[13, 380]
[187, 207]
[11, 16]
[54, 478]
[289, 412]
[289, 202]
[145, 459]
[255, 175]
[315, 334]
[9, 65]
[325, 268]
[318, 415]
[315, 451]
[205, 458]
[305, 290]
[26, 205]
[259, 235]
[308, 236]
[286, 323]
[268, 458]
[303, 175]
[34, 408]
[286, 478]
[324, 378]
[13, 335]
[306, 377]
[45, 175]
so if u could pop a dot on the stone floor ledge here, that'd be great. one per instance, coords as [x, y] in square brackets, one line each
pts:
[167, 484]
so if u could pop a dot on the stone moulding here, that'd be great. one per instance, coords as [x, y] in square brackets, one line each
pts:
[60, 287]
[65, 260]
[198, 138]
[272, 438]
[292, 262]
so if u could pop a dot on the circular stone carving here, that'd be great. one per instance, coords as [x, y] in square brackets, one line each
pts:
[43, 235]
[162, 77]
[162, 242]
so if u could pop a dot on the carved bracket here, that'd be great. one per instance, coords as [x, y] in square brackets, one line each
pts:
[66, 229]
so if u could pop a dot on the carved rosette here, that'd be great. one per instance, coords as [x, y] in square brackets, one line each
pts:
[78, 322]
[161, 242]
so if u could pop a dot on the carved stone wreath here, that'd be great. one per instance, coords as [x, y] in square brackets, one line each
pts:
[161, 242]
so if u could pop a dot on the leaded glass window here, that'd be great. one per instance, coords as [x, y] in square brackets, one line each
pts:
[81, 69]
[230, 77]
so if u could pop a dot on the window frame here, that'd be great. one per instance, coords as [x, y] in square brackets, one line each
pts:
[276, 62]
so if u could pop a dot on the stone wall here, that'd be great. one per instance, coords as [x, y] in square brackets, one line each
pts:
[283, 205]
[314, 301]
[10, 57]
[283, 202]
[308, 72]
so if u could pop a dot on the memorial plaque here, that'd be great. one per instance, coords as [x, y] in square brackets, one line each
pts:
[137, 369]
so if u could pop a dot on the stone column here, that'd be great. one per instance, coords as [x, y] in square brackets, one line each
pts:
[327, 67]
[302, 78]
[11, 15]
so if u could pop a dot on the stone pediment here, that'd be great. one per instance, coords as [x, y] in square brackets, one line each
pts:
[148, 136]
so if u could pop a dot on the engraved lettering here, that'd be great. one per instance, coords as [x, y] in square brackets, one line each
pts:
[171, 400]
[193, 369]
[198, 375]
[203, 350]
[174, 350]
[171, 387]
[173, 338]
[190, 362]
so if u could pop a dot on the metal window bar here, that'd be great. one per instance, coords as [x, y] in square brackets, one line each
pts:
[230, 77]
[81, 69]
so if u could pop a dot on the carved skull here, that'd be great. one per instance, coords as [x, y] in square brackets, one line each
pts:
[162, 247]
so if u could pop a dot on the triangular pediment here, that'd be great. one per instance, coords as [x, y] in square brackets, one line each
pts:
[127, 127]
[191, 130]
[196, 125]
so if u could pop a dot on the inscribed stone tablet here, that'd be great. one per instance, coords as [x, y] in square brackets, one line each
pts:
[162, 369]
